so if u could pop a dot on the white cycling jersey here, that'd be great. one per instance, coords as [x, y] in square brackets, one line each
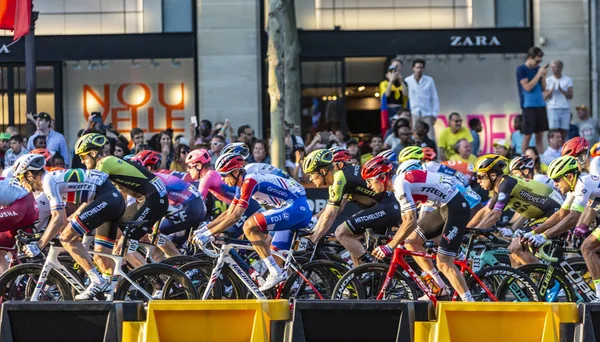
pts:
[436, 167]
[587, 188]
[542, 178]
[72, 186]
[420, 186]
[43, 204]
[10, 191]
[264, 169]
[595, 166]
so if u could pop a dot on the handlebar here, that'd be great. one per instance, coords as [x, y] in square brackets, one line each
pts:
[542, 254]
[210, 252]
[27, 238]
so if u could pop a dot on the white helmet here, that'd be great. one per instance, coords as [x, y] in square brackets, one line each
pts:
[412, 164]
[28, 162]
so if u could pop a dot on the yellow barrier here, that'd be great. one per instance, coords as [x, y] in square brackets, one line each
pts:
[501, 322]
[210, 320]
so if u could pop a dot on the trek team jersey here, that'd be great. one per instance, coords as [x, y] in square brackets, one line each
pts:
[268, 190]
[348, 181]
[265, 169]
[423, 187]
[587, 188]
[178, 191]
[72, 186]
[131, 177]
[10, 191]
[531, 199]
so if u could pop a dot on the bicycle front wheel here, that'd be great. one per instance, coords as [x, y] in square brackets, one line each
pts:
[366, 282]
[506, 283]
[19, 282]
[553, 288]
[314, 280]
[153, 278]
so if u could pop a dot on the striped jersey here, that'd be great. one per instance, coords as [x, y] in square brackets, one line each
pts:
[72, 186]
[268, 190]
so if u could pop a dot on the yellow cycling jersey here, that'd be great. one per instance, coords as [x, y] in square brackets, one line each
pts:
[531, 199]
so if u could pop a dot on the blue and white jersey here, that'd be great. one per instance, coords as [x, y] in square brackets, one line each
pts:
[446, 170]
[268, 189]
[265, 169]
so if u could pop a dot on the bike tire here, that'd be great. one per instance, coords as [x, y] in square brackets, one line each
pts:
[579, 266]
[179, 260]
[196, 271]
[506, 283]
[558, 283]
[326, 274]
[356, 284]
[153, 278]
[25, 277]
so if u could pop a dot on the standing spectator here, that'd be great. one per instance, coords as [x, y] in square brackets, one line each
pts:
[224, 129]
[297, 172]
[260, 152]
[340, 139]
[394, 88]
[245, 134]
[137, 138]
[420, 135]
[517, 136]
[165, 141]
[424, 101]
[317, 143]
[352, 147]
[12, 130]
[531, 82]
[501, 147]
[464, 152]
[216, 146]
[181, 152]
[588, 126]
[121, 149]
[476, 128]
[376, 144]
[405, 135]
[451, 135]
[555, 143]
[39, 141]
[4, 144]
[55, 142]
[15, 151]
[558, 96]
[292, 142]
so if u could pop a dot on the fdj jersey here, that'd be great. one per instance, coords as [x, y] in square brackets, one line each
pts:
[131, 178]
[348, 181]
[531, 199]
[419, 186]
[72, 186]
[178, 191]
[265, 169]
[268, 189]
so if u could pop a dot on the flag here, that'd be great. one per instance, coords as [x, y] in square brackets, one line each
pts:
[22, 18]
[384, 115]
[7, 14]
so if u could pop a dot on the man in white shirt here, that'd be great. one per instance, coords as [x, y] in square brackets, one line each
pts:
[558, 96]
[555, 143]
[423, 97]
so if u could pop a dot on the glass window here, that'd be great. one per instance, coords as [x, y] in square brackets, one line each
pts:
[177, 16]
[511, 13]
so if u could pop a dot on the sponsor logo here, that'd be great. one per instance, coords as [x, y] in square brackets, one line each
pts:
[531, 198]
[286, 216]
[437, 192]
[8, 213]
[81, 186]
[501, 196]
[94, 210]
[452, 234]
[276, 191]
[124, 182]
[474, 41]
[370, 217]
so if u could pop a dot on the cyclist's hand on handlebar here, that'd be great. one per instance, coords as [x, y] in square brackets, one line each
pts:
[537, 240]
[31, 250]
[383, 251]
[581, 231]
[525, 237]
[505, 232]
[203, 237]
[313, 223]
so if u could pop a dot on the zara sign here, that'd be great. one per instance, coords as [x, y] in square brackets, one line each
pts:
[474, 41]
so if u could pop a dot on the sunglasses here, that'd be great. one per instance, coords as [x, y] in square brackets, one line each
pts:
[557, 179]
[480, 177]
[217, 143]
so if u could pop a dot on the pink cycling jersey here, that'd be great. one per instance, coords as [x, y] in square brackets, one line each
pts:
[419, 186]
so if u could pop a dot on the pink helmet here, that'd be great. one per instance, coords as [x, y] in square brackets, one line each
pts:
[200, 156]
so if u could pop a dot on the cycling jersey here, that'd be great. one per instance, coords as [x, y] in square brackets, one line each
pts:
[184, 176]
[542, 178]
[265, 169]
[178, 191]
[586, 188]
[420, 186]
[348, 181]
[531, 199]
[72, 186]
[10, 191]
[20, 214]
[212, 181]
[43, 205]
[268, 189]
[380, 217]
[131, 178]
[595, 166]
[436, 167]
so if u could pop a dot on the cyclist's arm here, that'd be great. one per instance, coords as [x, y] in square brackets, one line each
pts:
[58, 221]
[490, 218]
[221, 217]
[409, 224]
[563, 225]
[325, 221]
[478, 217]
[552, 220]
[518, 223]
[230, 218]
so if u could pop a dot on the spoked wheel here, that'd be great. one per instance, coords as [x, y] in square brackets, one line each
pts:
[153, 278]
[366, 282]
[315, 280]
[555, 289]
[19, 282]
[198, 272]
[505, 283]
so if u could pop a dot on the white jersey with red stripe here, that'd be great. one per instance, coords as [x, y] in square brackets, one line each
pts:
[72, 186]
[268, 190]
[423, 187]
[265, 169]
[10, 191]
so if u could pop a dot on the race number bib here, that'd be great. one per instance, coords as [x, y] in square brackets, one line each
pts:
[161, 188]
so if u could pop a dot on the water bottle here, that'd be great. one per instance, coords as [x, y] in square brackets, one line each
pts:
[254, 275]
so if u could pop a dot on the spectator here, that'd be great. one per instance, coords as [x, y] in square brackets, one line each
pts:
[501, 147]
[405, 114]
[451, 135]
[517, 136]
[181, 152]
[531, 82]
[352, 147]
[340, 139]
[203, 135]
[376, 144]
[141, 148]
[297, 172]
[555, 143]
[223, 129]
[476, 128]
[573, 129]
[180, 139]
[260, 152]
[39, 141]
[390, 130]
[394, 88]
[424, 101]
[216, 146]
[558, 96]
[538, 166]
[464, 152]
[167, 150]
[15, 151]
[4, 144]
[245, 134]
[317, 143]
[121, 149]
[393, 139]
[405, 135]
[588, 126]
[292, 142]
[109, 148]
[12, 130]
[55, 142]
[57, 161]
[137, 138]
[420, 135]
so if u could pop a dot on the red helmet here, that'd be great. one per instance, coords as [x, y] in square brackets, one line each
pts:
[375, 167]
[200, 156]
[575, 147]
[147, 158]
[340, 154]
[229, 162]
[47, 155]
[429, 154]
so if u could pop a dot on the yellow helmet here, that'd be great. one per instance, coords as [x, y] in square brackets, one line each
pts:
[561, 166]
[491, 163]
[316, 160]
[409, 153]
[90, 142]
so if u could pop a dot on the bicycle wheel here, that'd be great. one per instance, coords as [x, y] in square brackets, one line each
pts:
[199, 272]
[19, 282]
[366, 282]
[584, 286]
[179, 260]
[314, 280]
[556, 288]
[153, 278]
[506, 283]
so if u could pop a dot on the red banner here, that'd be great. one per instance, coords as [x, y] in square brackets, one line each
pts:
[22, 18]
[7, 14]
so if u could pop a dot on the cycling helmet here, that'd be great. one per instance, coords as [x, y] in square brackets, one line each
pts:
[595, 151]
[229, 162]
[147, 158]
[28, 162]
[410, 152]
[42, 151]
[90, 142]
[409, 165]
[521, 163]
[575, 147]
[200, 156]
[491, 163]
[238, 147]
[561, 166]
[389, 155]
[340, 154]
[375, 167]
[429, 154]
[316, 160]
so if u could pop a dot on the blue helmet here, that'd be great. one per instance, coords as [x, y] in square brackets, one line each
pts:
[389, 155]
[237, 148]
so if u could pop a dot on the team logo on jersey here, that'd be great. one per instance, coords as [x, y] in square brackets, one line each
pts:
[501, 196]
[74, 176]
[286, 216]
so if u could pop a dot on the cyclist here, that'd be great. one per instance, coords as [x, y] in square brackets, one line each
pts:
[448, 218]
[260, 168]
[131, 179]
[533, 201]
[595, 161]
[522, 166]
[186, 206]
[290, 212]
[392, 157]
[100, 202]
[344, 185]
[579, 148]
